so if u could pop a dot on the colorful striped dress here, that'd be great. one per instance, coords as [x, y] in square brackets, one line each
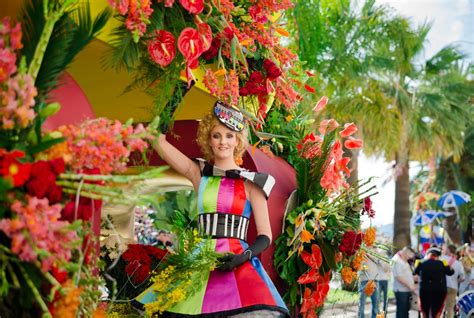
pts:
[222, 200]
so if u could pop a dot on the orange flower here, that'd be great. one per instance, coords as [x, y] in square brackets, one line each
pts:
[369, 288]
[67, 305]
[220, 72]
[369, 236]
[282, 32]
[357, 261]
[299, 219]
[306, 236]
[348, 275]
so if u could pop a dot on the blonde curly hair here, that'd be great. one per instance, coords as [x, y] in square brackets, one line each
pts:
[204, 135]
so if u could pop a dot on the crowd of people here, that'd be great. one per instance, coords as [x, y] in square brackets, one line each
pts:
[429, 283]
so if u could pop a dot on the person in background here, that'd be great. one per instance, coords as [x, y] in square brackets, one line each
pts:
[467, 264]
[164, 239]
[368, 273]
[453, 281]
[432, 272]
[383, 270]
[403, 281]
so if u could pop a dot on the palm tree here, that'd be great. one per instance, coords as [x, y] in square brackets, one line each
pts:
[431, 102]
[337, 39]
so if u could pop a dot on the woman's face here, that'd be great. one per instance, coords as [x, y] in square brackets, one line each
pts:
[223, 142]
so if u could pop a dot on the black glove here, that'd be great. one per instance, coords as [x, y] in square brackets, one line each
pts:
[231, 261]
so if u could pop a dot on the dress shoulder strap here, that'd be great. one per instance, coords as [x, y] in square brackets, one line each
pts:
[263, 180]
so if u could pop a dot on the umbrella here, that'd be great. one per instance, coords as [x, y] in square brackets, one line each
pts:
[453, 199]
[423, 218]
[428, 216]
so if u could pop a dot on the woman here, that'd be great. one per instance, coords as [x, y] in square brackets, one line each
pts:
[433, 288]
[227, 196]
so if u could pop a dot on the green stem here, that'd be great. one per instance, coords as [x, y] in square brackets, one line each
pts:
[91, 187]
[36, 294]
[89, 195]
[51, 18]
[15, 280]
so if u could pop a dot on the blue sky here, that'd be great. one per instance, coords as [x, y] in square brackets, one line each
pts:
[453, 21]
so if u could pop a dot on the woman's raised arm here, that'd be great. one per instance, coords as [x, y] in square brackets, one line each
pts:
[177, 160]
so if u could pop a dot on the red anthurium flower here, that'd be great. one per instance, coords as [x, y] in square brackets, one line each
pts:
[189, 74]
[353, 143]
[13, 170]
[193, 6]
[309, 277]
[308, 307]
[315, 259]
[162, 48]
[190, 44]
[349, 129]
[205, 33]
[321, 104]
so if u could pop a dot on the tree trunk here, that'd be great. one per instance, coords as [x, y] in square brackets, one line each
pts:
[401, 218]
[353, 166]
[452, 224]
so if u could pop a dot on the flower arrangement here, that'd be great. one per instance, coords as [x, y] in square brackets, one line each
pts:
[235, 44]
[49, 186]
[322, 234]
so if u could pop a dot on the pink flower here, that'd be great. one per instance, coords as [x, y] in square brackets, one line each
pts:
[37, 234]
[327, 125]
[353, 143]
[321, 104]
[193, 6]
[349, 129]
[162, 48]
[7, 64]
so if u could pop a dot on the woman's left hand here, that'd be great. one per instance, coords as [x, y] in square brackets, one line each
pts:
[230, 261]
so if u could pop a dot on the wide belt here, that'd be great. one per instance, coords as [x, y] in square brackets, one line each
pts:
[220, 225]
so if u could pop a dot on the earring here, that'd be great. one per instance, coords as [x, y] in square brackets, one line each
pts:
[238, 161]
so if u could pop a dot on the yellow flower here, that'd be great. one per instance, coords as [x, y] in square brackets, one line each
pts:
[289, 118]
[306, 236]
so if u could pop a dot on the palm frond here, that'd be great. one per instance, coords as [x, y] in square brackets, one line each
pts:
[69, 37]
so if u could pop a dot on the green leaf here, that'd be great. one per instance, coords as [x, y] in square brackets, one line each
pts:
[44, 145]
[328, 253]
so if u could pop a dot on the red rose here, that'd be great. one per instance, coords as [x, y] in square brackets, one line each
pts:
[273, 72]
[39, 186]
[213, 50]
[55, 194]
[40, 168]
[350, 243]
[57, 166]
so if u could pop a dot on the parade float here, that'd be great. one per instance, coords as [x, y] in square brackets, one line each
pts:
[72, 161]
